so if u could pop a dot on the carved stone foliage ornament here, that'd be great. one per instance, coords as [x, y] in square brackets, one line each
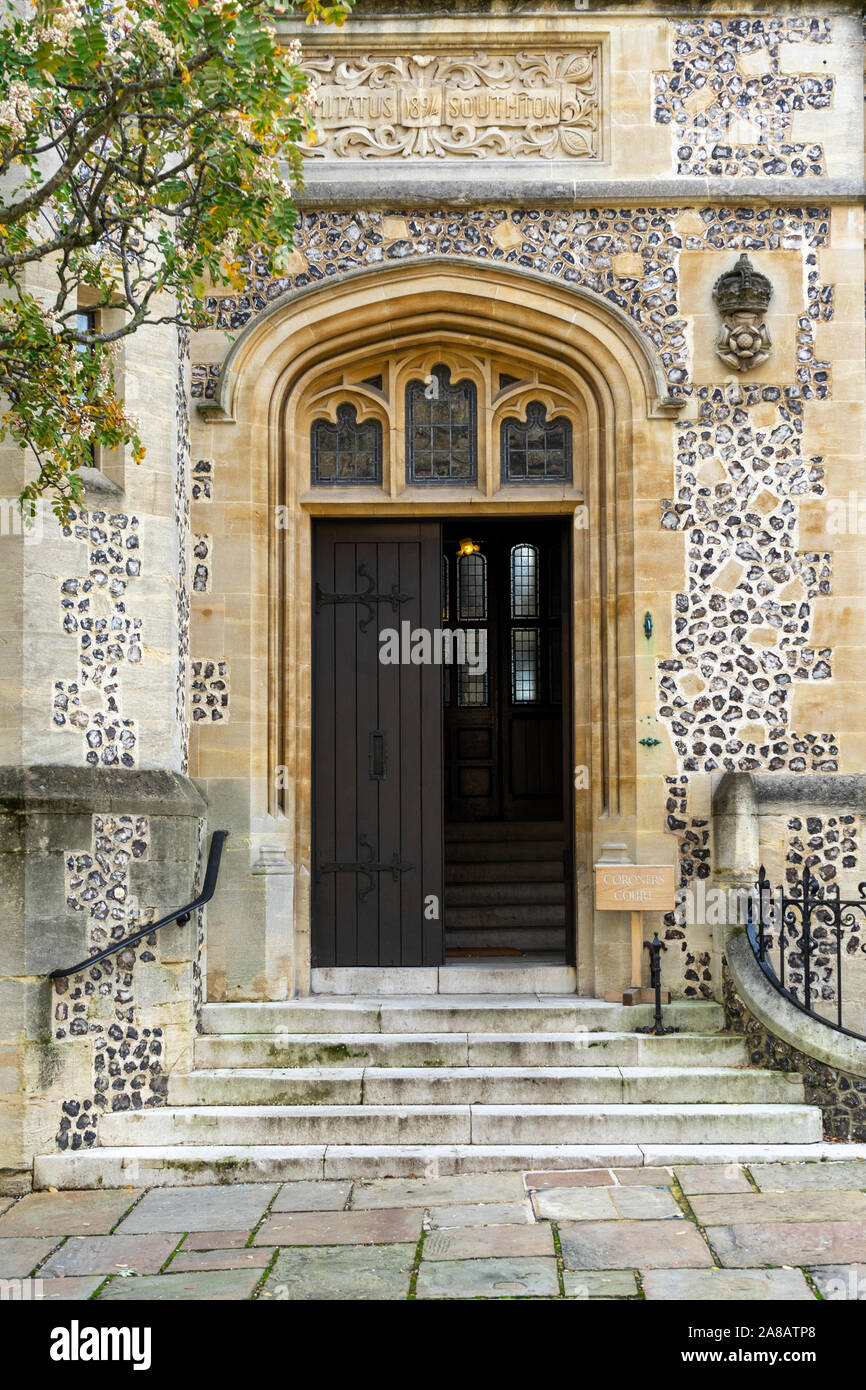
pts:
[743, 295]
[517, 104]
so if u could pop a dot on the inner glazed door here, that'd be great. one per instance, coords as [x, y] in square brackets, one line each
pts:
[504, 725]
[377, 748]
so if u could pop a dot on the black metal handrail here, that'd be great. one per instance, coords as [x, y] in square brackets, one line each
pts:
[790, 919]
[180, 915]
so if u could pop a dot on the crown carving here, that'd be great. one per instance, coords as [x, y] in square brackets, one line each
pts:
[743, 289]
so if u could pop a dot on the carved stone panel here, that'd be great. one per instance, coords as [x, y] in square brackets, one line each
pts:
[516, 104]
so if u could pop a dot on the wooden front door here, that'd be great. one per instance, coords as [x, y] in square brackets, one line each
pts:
[377, 748]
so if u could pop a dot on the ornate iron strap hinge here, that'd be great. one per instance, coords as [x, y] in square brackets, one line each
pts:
[366, 599]
[365, 868]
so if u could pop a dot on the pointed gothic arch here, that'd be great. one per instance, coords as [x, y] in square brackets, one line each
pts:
[572, 343]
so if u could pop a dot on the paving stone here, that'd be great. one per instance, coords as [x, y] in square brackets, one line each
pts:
[588, 1177]
[199, 1208]
[220, 1259]
[71, 1290]
[606, 1204]
[380, 1272]
[482, 1214]
[215, 1240]
[644, 1177]
[492, 1278]
[712, 1177]
[600, 1283]
[67, 1213]
[20, 1254]
[739, 1208]
[633, 1245]
[341, 1227]
[312, 1196]
[746, 1246]
[841, 1283]
[446, 1192]
[478, 1242]
[726, 1285]
[110, 1254]
[216, 1285]
[837, 1175]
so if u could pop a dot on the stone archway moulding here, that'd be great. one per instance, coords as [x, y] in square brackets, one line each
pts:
[222, 406]
[489, 308]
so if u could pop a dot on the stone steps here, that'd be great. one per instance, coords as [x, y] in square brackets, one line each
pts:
[466, 1085]
[176, 1165]
[488, 892]
[501, 831]
[526, 871]
[462, 1124]
[517, 1013]
[494, 894]
[504, 914]
[529, 939]
[468, 851]
[385, 1084]
[236, 1050]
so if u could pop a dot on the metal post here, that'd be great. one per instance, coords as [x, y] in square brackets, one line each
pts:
[655, 948]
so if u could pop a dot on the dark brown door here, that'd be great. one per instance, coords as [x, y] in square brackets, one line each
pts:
[377, 747]
[504, 729]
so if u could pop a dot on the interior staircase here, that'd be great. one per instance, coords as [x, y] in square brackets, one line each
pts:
[505, 886]
[442, 1083]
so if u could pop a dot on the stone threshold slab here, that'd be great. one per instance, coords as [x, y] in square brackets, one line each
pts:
[494, 977]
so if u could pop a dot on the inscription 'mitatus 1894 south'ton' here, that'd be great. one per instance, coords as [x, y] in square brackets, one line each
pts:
[517, 104]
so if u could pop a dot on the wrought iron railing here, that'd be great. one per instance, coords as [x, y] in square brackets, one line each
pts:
[180, 915]
[808, 942]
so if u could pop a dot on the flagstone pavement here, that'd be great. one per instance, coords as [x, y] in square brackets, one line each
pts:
[778, 1231]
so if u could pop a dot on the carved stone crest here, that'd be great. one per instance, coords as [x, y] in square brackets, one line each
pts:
[516, 104]
[743, 295]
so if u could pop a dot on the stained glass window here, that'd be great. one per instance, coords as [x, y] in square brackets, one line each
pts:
[346, 453]
[538, 450]
[440, 430]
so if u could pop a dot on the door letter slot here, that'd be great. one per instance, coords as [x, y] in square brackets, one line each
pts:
[378, 755]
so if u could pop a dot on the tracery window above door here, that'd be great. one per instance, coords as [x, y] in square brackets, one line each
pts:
[346, 453]
[441, 433]
[538, 450]
[443, 415]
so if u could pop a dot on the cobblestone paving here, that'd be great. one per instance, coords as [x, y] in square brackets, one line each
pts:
[785, 1231]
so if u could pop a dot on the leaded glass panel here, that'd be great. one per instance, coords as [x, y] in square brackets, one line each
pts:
[524, 581]
[524, 665]
[471, 588]
[538, 450]
[440, 430]
[346, 453]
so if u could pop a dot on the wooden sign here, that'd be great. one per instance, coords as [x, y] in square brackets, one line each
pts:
[634, 887]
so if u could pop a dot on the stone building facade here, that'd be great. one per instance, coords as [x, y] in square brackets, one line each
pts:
[543, 200]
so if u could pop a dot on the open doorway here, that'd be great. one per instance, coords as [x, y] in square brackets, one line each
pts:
[507, 790]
